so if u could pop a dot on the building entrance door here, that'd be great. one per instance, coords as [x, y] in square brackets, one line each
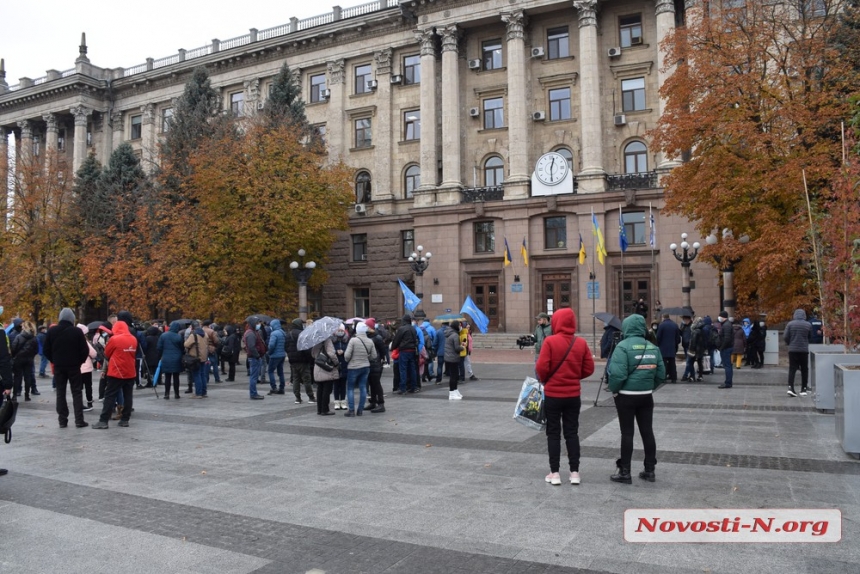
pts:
[485, 294]
[556, 292]
[635, 286]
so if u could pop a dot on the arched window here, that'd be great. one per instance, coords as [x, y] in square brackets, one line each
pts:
[494, 171]
[362, 187]
[412, 180]
[635, 158]
[566, 154]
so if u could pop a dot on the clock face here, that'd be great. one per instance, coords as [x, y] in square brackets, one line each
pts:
[551, 168]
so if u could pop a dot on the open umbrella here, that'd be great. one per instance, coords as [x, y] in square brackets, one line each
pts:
[448, 317]
[185, 322]
[353, 321]
[682, 311]
[95, 325]
[609, 319]
[257, 318]
[317, 332]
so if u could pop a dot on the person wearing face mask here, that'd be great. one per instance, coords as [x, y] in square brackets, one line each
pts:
[340, 341]
[727, 343]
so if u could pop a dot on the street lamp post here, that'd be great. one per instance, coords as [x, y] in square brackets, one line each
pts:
[727, 266]
[419, 262]
[302, 271]
[686, 256]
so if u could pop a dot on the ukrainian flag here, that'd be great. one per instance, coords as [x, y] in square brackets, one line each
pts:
[507, 253]
[525, 252]
[581, 251]
[601, 246]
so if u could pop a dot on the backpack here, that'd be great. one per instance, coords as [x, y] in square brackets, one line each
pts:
[716, 337]
[259, 344]
[429, 343]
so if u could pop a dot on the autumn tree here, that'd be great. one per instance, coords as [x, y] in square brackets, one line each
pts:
[757, 98]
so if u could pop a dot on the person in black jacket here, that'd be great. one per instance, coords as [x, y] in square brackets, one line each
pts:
[230, 351]
[727, 343]
[66, 347]
[301, 363]
[5, 376]
[376, 398]
[24, 349]
[151, 337]
[668, 339]
[406, 343]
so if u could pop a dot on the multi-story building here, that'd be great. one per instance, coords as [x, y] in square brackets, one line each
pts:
[446, 110]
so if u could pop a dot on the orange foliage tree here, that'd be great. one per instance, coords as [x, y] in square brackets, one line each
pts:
[757, 97]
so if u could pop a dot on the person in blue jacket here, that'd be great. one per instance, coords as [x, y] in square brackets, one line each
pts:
[170, 350]
[277, 354]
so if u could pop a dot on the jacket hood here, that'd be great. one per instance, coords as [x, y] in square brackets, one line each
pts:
[231, 329]
[120, 328]
[564, 321]
[407, 319]
[746, 320]
[125, 317]
[707, 321]
[153, 330]
[799, 315]
[698, 323]
[68, 315]
[298, 324]
[633, 326]
[275, 325]
[175, 327]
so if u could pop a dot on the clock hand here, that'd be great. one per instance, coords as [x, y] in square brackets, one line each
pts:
[551, 165]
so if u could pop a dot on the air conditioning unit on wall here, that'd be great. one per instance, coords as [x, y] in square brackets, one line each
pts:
[325, 94]
[620, 120]
[614, 52]
[373, 84]
[396, 79]
[360, 208]
[539, 116]
[537, 52]
[474, 64]
[474, 112]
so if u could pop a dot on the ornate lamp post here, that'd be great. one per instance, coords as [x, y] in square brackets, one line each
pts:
[302, 271]
[727, 266]
[685, 257]
[419, 262]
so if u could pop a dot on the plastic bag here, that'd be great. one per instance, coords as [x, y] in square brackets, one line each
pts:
[530, 410]
[718, 361]
[706, 363]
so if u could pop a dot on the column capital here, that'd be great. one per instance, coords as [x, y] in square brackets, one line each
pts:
[450, 38]
[148, 114]
[116, 120]
[587, 12]
[51, 120]
[335, 71]
[428, 41]
[382, 59]
[26, 129]
[690, 4]
[81, 114]
[664, 6]
[516, 22]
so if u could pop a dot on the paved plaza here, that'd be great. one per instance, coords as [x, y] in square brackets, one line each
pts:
[229, 485]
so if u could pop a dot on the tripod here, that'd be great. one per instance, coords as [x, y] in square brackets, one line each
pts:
[148, 377]
[604, 380]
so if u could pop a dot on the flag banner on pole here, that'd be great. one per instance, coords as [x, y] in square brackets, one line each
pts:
[524, 251]
[622, 233]
[652, 235]
[601, 247]
[507, 253]
[478, 318]
[410, 299]
[581, 250]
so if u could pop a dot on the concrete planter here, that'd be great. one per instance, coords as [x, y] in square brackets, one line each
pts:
[847, 384]
[822, 358]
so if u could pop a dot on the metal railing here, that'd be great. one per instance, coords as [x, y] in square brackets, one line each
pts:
[645, 180]
[479, 194]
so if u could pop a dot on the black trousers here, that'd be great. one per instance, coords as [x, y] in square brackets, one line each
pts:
[671, 369]
[562, 417]
[798, 360]
[175, 378]
[374, 382]
[451, 369]
[638, 408]
[87, 382]
[395, 368]
[231, 370]
[23, 372]
[102, 384]
[113, 387]
[72, 377]
[324, 389]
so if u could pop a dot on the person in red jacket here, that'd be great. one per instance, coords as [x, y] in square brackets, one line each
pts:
[564, 360]
[121, 352]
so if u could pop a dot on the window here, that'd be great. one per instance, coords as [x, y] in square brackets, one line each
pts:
[359, 247]
[407, 240]
[634, 227]
[362, 187]
[557, 43]
[635, 158]
[494, 171]
[412, 125]
[411, 70]
[361, 299]
[37, 146]
[412, 180]
[321, 131]
[362, 77]
[136, 127]
[630, 28]
[90, 138]
[566, 154]
[485, 237]
[61, 139]
[491, 54]
[363, 135]
[237, 104]
[814, 8]
[317, 86]
[559, 104]
[166, 118]
[494, 113]
[633, 94]
[555, 232]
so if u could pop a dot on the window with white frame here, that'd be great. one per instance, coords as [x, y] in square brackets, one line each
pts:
[557, 43]
[559, 104]
[491, 54]
[494, 171]
[633, 94]
[635, 157]
[494, 113]
[411, 70]
[630, 30]
[412, 125]
[361, 300]
[363, 75]
[363, 133]
[317, 82]
[237, 103]
[411, 180]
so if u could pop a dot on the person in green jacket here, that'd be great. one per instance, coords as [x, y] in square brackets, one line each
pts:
[635, 370]
[542, 331]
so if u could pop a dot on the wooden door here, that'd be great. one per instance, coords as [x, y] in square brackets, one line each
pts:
[486, 295]
[556, 292]
[634, 287]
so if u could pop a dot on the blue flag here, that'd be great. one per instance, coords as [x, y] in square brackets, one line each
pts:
[622, 233]
[410, 300]
[481, 321]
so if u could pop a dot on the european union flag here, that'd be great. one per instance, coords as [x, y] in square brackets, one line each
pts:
[410, 299]
[622, 233]
[481, 321]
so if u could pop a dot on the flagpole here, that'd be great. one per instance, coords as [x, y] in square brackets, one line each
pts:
[620, 217]
[592, 265]
[651, 240]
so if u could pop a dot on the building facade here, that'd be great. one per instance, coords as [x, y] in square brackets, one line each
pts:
[471, 126]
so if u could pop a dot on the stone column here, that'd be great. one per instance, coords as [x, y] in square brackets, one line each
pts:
[25, 144]
[591, 179]
[79, 151]
[517, 181]
[4, 175]
[429, 157]
[451, 121]
[115, 135]
[149, 152]
[336, 123]
[384, 185]
[52, 134]
[665, 25]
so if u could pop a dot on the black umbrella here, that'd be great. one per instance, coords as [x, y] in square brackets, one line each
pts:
[95, 325]
[185, 322]
[609, 319]
[257, 318]
[682, 311]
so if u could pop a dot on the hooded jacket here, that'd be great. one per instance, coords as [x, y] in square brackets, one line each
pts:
[321, 374]
[570, 367]
[636, 366]
[120, 352]
[65, 345]
[406, 338]
[152, 335]
[668, 338]
[739, 340]
[698, 344]
[277, 340]
[293, 354]
[24, 348]
[87, 366]
[797, 333]
[360, 351]
[232, 343]
[197, 345]
[171, 349]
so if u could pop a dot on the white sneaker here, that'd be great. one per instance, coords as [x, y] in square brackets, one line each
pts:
[574, 478]
[803, 393]
[791, 393]
[458, 393]
[453, 396]
[553, 478]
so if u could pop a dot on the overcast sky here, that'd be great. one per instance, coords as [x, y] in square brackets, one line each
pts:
[40, 35]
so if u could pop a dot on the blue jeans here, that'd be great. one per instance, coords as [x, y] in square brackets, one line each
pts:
[359, 376]
[43, 365]
[726, 358]
[277, 364]
[254, 375]
[213, 365]
[200, 379]
[408, 369]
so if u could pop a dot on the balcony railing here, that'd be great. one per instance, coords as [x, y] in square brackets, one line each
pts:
[646, 180]
[479, 194]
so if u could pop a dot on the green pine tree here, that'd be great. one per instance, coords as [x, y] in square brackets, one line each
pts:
[285, 104]
[89, 206]
[123, 185]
